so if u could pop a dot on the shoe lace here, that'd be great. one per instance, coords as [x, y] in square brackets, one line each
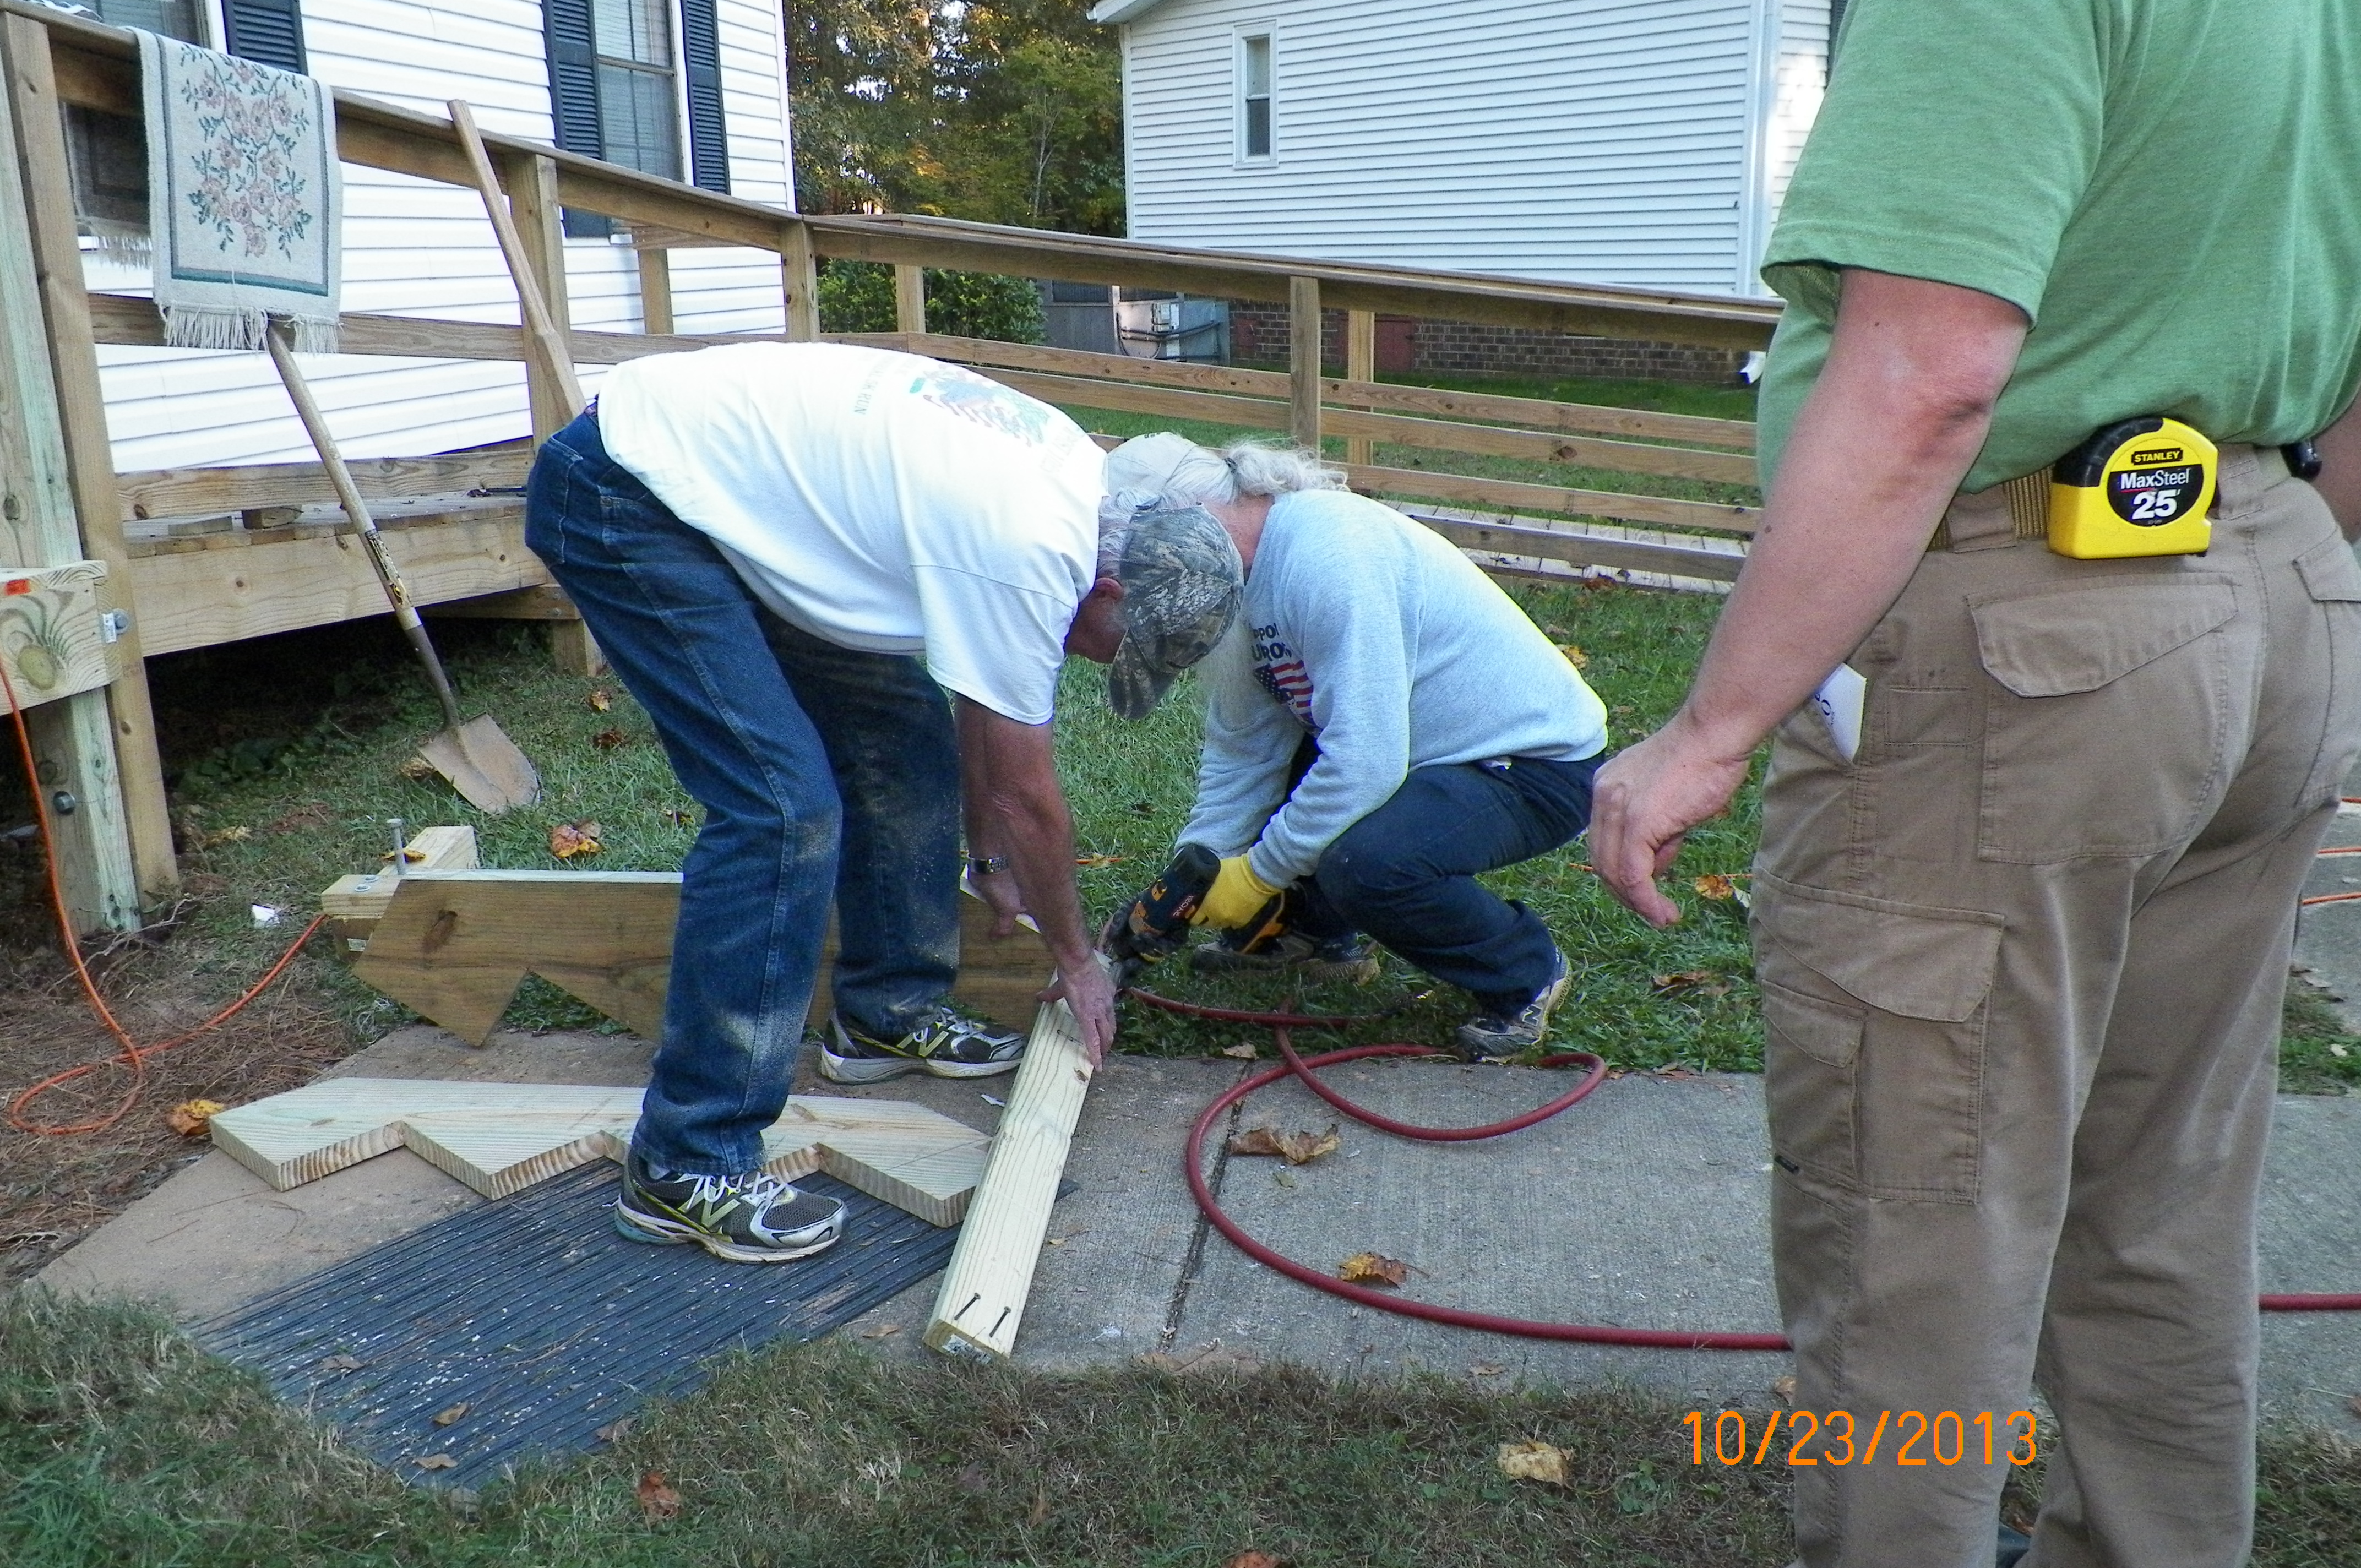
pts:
[759, 1191]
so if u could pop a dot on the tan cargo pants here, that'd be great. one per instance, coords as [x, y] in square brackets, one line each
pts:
[2021, 962]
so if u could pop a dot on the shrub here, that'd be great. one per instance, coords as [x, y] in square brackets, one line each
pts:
[858, 296]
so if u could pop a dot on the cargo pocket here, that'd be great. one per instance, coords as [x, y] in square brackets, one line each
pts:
[2333, 580]
[2109, 734]
[1874, 1022]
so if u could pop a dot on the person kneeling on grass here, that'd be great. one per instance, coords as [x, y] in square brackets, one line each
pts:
[1381, 724]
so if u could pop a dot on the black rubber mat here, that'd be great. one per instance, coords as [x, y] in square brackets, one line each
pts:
[546, 1326]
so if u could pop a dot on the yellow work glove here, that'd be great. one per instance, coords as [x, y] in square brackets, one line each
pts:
[1236, 897]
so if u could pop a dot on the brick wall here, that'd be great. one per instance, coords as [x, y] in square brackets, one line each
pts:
[1259, 334]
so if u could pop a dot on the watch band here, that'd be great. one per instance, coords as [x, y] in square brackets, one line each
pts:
[986, 865]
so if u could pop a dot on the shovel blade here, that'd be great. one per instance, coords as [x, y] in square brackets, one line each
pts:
[484, 765]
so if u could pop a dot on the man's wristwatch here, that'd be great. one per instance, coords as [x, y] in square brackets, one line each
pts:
[986, 865]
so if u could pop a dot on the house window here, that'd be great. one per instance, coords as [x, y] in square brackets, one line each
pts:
[170, 18]
[107, 154]
[617, 89]
[1253, 95]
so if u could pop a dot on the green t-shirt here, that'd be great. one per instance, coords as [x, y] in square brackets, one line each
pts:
[2170, 188]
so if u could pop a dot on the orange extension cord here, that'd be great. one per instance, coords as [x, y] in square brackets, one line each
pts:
[133, 1052]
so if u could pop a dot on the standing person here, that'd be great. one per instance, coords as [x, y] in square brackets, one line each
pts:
[2023, 951]
[1384, 725]
[766, 538]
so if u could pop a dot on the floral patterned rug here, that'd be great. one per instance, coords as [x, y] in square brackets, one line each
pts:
[245, 198]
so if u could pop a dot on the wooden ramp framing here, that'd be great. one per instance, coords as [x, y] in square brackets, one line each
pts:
[499, 1138]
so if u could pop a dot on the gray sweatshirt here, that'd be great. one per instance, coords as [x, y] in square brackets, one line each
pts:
[1373, 634]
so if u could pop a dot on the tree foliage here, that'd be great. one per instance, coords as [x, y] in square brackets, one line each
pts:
[1000, 111]
[858, 296]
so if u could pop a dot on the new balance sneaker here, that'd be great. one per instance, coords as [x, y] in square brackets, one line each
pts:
[1350, 957]
[946, 1045]
[753, 1218]
[1491, 1036]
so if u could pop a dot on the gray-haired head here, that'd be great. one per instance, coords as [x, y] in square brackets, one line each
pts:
[1182, 473]
[1182, 582]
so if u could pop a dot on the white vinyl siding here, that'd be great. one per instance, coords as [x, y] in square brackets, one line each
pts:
[1576, 140]
[414, 248]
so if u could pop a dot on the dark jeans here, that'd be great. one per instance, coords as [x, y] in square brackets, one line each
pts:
[1406, 872]
[822, 771]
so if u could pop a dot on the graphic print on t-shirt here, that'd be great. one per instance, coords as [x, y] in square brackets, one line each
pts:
[1282, 674]
[985, 401]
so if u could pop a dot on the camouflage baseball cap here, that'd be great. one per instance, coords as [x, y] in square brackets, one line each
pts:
[1182, 582]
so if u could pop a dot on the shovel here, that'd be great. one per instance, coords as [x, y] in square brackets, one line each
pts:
[482, 763]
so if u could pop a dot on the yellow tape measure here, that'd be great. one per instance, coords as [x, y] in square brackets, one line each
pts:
[2140, 487]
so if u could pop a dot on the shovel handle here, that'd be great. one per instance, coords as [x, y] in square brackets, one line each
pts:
[540, 328]
[397, 592]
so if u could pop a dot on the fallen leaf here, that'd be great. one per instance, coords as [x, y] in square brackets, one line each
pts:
[1245, 1051]
[1253, 1560]
[1534, 1461]
[569, 840]
[411, 856]
[614, 1431]
[1040, 1514]
[1783, 1389]
[341, 1364]
[675, 815]
[658, 1502]
[1296, 1148]
[1092, 861]
[1486, 1369]
[418, 770]
[436, 1462]
[191, 1117]
[599, 700]
[608, 739]
[1368, 1268]
[443, 1417]
[1715, 886]
[226, 836]
[881, 1331]
[1690, 982]
[1574, 655]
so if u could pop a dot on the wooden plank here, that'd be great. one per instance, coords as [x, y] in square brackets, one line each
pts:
[132, 322]
[655, 292]
[909, 298]
[499, 1138]
[1303, 362]
[365, 896]
[1579, 549]
[547, 602]
[1168, 401]
[105, 747]
[260, 584]
[198, 492]
[53, 642]
[1577, 419]
[799, 281]
[535, 250]
[1498, 440]
[990, 1277]
[1360, 365]
[1547, 500]
[454, 946]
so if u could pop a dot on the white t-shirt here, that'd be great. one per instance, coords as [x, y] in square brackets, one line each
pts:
[878, 500]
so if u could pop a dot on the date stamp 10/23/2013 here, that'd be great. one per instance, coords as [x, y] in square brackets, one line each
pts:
[1839, 1437]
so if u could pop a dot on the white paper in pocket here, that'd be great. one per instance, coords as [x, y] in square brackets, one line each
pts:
[1839, 702]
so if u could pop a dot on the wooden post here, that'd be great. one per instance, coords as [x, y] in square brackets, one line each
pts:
[531, 186]
[909, 298]
[97, 750]
[1304, 360]
[655, 292]
[799, 276]
[1360, 365]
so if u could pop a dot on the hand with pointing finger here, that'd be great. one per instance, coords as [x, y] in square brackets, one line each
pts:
[1645, 799]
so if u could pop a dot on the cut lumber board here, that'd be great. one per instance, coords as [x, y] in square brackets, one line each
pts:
[455, 945]
[365, 896]
[499, 1138]
[991, 1275]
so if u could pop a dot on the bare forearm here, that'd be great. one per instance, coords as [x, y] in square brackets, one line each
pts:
[1036, 835]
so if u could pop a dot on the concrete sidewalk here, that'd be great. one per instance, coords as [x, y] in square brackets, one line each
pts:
[1644, 1206]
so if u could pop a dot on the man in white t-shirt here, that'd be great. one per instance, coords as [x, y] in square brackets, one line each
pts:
[766, 538]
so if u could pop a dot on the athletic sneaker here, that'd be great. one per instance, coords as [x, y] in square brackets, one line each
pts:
[753, 1218]
[1491, 1036]
[946, 1045]
[1349, 956]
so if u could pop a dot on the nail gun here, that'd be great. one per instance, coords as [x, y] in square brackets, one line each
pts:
[1156, 924]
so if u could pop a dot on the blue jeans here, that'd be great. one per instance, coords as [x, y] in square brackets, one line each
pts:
[1406, 872]
[823, 772]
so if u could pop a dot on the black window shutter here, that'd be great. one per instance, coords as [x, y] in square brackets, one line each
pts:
[574, 96]
[709, 133]
[269, 32]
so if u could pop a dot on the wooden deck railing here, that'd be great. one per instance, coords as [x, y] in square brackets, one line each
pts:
[240, 582]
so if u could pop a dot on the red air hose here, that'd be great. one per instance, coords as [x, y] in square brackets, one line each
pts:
[1300, 1068]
